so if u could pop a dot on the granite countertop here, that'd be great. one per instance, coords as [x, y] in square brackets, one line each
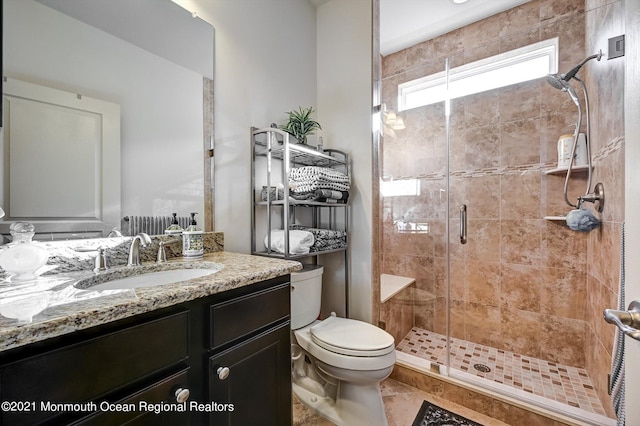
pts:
[237, 270]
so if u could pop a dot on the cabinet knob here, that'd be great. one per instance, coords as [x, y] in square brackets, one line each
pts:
[223, 372]
[182, 395]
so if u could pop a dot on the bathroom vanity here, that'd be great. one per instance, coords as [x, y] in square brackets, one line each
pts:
[181, 358]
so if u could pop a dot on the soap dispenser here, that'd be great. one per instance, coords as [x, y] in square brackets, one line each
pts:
[193, 240]
[174, 228]
[22, 257]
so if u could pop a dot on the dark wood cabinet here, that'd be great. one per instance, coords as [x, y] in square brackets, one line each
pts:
[139, 371]
[247, 398]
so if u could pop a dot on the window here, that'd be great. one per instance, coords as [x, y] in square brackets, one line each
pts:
[516, 66]
[395, 188]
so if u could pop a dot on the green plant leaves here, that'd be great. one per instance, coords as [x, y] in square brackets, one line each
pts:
[300, 123]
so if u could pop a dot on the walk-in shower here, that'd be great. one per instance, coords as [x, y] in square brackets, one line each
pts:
[516, 310]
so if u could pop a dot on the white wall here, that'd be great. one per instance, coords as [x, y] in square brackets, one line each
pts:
[344, 108]
[270, 59]
[265, 66]
[162, 119]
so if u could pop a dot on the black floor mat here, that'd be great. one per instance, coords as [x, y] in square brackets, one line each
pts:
[432, 415]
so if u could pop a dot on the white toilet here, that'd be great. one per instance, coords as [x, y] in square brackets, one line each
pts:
[338, 363]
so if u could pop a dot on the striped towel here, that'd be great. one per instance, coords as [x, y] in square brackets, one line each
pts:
[617, 363]
[311, 178]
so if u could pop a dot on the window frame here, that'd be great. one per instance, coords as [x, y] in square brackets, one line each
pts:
[546, 49]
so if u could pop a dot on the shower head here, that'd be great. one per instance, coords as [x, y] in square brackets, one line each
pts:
[558, 81]
[561, 81]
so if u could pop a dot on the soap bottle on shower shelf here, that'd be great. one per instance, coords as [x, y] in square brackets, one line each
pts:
[565, 144]
[22, 258]
[193, 240]
[174, 228]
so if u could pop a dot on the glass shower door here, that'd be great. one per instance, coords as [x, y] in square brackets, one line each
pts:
[413, 253]
[474, 180]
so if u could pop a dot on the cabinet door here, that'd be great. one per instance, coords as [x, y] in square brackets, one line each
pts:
[257, 388]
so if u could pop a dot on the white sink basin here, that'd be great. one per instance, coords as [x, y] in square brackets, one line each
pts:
[139, 277]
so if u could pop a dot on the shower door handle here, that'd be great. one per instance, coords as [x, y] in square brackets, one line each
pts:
[627, 321]
[463, 224]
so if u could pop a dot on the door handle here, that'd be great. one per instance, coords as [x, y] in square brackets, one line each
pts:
[627, 321]
[463, 224]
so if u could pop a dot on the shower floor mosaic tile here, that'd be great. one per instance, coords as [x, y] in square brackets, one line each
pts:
[564, 384]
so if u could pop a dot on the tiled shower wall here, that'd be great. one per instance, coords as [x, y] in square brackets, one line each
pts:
[605, 19]
[522, 283]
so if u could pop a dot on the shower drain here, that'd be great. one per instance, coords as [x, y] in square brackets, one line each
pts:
[481, 367]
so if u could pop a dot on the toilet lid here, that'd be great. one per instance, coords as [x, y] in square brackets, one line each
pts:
[351, 337]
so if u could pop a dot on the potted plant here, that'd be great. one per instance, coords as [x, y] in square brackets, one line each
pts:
[300, 124]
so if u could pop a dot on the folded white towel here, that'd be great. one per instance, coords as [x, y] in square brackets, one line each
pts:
[299, 241]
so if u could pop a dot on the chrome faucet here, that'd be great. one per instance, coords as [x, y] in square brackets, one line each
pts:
[162, 254]
[101, 260]
[134, 250]
[114, 233]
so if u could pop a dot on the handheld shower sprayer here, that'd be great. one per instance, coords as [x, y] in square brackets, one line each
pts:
[580, 219]
[558, 81]
[561, 81]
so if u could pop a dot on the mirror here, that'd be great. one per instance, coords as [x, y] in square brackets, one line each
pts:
[151, 59]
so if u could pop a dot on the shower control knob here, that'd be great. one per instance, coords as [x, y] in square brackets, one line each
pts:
[627, 321]
[223, 372]
[182, 395]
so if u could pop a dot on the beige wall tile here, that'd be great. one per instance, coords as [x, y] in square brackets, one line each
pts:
[520, 241]
[564, 340]
[483, 324]
[523, 332]
[521, 287]
[483, 197]
[520, 18]
[524, 38]
[398, 314]
[520, 196]
[552, 9]
[563, 293]
[563, 247]
[571, 39]
[486, 31]
[482, 282]
[520, 142]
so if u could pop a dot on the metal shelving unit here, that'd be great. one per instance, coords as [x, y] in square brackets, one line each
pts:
[274, 154]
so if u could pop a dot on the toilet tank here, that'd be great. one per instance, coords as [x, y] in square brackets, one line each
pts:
[306, 295]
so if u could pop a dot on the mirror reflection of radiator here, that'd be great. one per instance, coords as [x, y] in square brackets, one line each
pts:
[152, 225]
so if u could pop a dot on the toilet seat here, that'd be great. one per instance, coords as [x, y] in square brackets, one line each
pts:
[351, 337]
[302, 337]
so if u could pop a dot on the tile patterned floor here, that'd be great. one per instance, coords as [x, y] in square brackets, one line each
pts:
[565, 384]
[401, 403]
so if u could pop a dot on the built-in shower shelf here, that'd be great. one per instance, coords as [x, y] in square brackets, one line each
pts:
[556, 218]
[562, 170]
